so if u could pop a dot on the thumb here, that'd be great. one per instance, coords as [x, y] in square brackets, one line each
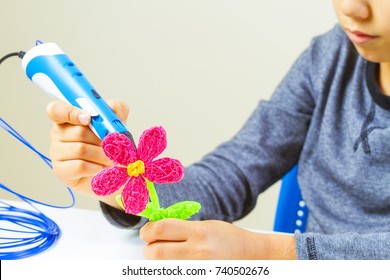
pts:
[120, 108]
[61, 112]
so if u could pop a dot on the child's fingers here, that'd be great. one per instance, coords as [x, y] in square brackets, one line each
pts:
[120, 108]
[166, 230]
[61, 112]
[73, 133]
[164, 250]
[63, 151]
[72, 170]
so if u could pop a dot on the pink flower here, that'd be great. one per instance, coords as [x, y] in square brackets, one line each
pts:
[132, 166]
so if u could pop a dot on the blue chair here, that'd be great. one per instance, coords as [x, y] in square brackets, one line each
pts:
[291, 212]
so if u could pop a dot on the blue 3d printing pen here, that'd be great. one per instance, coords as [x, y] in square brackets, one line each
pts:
[51, 69]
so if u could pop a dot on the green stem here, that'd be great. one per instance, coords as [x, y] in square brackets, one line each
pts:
[153, 194]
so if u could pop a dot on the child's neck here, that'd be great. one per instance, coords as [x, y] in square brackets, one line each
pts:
[384, 77]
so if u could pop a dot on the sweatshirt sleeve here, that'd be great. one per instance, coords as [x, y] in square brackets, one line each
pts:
[352, 246]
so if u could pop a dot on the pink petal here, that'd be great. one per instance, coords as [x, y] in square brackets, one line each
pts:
[119, 148]
[164, 170]
[109, 180]
[135, 195]
[152, 143]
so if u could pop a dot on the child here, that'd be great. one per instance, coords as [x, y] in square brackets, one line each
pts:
[330, 115]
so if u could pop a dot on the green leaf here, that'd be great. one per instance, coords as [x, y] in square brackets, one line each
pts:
[152, 212]
[182, 210]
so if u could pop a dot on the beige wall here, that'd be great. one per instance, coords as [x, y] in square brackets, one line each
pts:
[196, 67]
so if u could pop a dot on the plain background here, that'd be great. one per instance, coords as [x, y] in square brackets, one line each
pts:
[198, 68]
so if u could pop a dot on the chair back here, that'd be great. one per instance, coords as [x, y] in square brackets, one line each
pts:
[291, 211]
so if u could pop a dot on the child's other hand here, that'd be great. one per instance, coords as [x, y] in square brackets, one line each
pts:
[75, 150]
[179, 239]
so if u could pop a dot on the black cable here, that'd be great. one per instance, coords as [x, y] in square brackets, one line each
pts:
[19, 54]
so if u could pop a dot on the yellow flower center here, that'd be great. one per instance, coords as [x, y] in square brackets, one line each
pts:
[136, 168]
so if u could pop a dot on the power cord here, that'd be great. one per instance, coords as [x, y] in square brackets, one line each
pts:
[25, 233]
[19, 54]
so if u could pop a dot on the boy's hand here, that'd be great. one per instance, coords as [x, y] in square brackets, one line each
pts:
[178, 239]
[75, 150]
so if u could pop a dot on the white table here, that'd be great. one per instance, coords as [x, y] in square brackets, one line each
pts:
[91, 248]
[86, 235]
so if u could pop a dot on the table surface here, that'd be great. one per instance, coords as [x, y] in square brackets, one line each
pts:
[86, 234]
